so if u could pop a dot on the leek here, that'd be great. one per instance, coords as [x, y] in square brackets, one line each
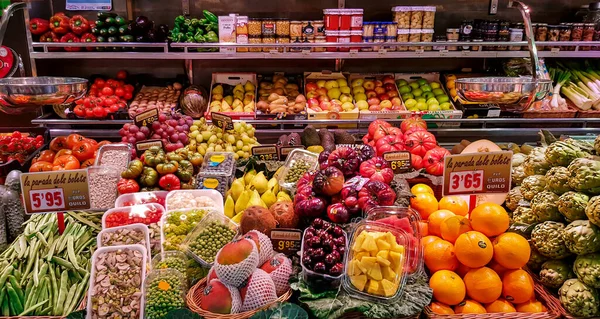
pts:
[578, 96]
[560, 78]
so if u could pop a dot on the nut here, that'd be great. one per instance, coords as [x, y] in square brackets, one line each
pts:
[102, 186]
[115, 158]
[123, 236]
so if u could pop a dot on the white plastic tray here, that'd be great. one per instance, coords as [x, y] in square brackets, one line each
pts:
[138, 226]
[210, 193]
[121, 200]
[131, 209]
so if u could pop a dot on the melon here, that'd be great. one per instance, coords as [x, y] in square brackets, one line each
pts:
[481, 146]
[236, 261]
[257, 291]
[218, 297]
[263, 244]
[280, 269]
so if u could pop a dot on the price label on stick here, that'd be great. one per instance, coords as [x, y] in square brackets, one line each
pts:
[284, 151]
[141, 147]
[265, 152]
[286, 240]
[146, 118]
[477, 173]
[47, 192]
[399, 161]
[222, 121]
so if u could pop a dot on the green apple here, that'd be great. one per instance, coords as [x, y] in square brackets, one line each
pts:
[421, 99]
[345, 89]
[432, 101]
[434, 85]
[422, 106]
[358, 89]
[442, 98]
[360, 97]
[407, 96]
[414, 85]
[342, 82]
[401, 83]
[417, 92]
[426, 88]
[362, 105]
[438, 91]
[421, 81]
[410, 103]
[404, 89]
[428, 95]
[445, 106]
[357, 82]
[434, 107]
[331, 84]
[334, 93]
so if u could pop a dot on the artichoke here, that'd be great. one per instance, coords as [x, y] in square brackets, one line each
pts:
[585, 176]
[518, 159]
[582, 237]
[592, 210]
[572, 205]
[557, 180]
[544, 207]
[597, 144]
[562, 153]
[536, 163]
[524, 215]
[585, 146]
[555, 272]
[536, 260]
[547, 238]
[532, 185]
[578, 299]
[587, 269]
[518, 174]
[513, 198]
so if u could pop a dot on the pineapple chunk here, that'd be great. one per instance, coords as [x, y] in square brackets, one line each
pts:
[383, 254]
[373, 287]
[397, 259]
[361, 254]
[398, 248]
[358, 242]
[359, 281]
[390, 238]
[369, 244]
[383, 261]
[375, 272]
[383, 245]
[362, 267]
[353, 268]
[389, 288]
[369, 261]
[388, 274]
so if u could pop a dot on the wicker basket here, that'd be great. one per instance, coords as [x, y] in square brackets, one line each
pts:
[358, 315]
[194, 296]
[570, 113]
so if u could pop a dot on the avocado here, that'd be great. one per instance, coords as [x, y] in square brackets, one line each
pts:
[327, 140]
[343, 137]
[294, 139]
[310, 137]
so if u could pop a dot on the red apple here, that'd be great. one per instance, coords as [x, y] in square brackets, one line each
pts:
[311, 94]
[378, 83]
[312, 102]
[323, 98]
[397, 108]
[369, 85]
[375, 107]
[373, 101]
[379, 90]
[370, 93]
[336, 102]
[392, 93]
[336, 108]
[325, 105]
[316, 109]
[311, 86]
[322, 91]
[388, 79]
[389, 86]
[396, 101]
[385, 104]
[383, 96]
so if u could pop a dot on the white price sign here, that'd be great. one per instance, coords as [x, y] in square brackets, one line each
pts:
[466, 182]
[47, 199]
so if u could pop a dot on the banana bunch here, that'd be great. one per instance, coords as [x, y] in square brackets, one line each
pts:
[252, 189]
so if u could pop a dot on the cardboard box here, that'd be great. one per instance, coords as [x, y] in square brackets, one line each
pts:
[234, 79]
[311, 77]
[386, 114]
[264, 91]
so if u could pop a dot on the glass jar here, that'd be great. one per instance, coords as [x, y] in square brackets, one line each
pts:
[282, 28]
[577, 32]
[416, 18]
[452, 34]
[491, 34]
[269, 40]
[541, 34]
[255, 27]
[403, 37]
[268, 27]
[283, 40]
[402, 16]
[588, 35]
[320, 39]
[565, 36]
[308, 30]
[368, 29]
[254, 39]
[596, 38]
[378, 39]
[298, 47]
[452, 47]
[553, 35]
[504, 35]
[319, 28]
[295, 29]
[516, 35]
[477, 47]
[414, 36]
[439, 38]
[427, 36]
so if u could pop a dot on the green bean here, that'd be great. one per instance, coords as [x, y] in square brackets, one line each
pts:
[41, 238]
[32, 308]
[14, 299]
[71, 253]
[58, 307]
[69, 299]
[17, 287]
[2, 295]
[17, 274]
[7, 271]
[62, 262]
[28, 293]
[36, 270]
[80, 290]
[52, 249]
[53, 285]
[5, 307]
[45, 311]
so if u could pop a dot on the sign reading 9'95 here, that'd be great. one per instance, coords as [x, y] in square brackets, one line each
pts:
[477, 173]
[48, 192]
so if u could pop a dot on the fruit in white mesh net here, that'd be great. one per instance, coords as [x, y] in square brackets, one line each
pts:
[263, 243]
[236, 261]
[258, 291]
[279, 268]
[218, 297]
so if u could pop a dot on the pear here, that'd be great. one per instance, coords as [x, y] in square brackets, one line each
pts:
[278, 172]
[225, 106]
[237, 103]
[283, 196]
[228, 99]
[229, 207]
[242, 201]
[249, 176]
[268, 198]
[255, 200]
[260, 183]
[273, 185]
[238, 217]
[218, 89]
[238, 109]
[236, 189]
[249, 87]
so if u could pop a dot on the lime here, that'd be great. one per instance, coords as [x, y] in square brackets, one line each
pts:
[417, 92]
[404, 89]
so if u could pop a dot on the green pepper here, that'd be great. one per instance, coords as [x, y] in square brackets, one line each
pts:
[187, 23]
[154, 156]
[179, 20]
[113, 30]
[149, 177]
[195, 23]
[126, 38]
[210, 16]
[211, 37]
[120, 20]
[100, 39]
[178, 37]
[185, 170]
[169, 167]
[203, 21]
[100, 24]
[104, 14]
[123, 30]
[113, 39]
[103, 32]
[189, 34]
[110, 21]
[199, 38]
[134, 169]
[94, 30]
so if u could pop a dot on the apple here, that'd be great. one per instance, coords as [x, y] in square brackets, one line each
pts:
[434, 85]
[414, 109]
[321, 83]
[334, 93]
[401, 83]
[426, 88]
[358, 89]
[438, 91]
[325, 105]
[434, 107]
[316, 109]
[311, 94]
[427, 95]
[322, 91]
[386, 104]
[311, 86]
[422, 106]
[357, 82]
[336, 102]
[375, 107]
[371, 93]
[414, 85]
[373, 101]
[362, 105]
[347, 106]
[345, 98]
[404, 89]
[322, 98]
[417, 92]
[397, 108]
[378, 83]
[345, 89]
[432, 101]
[379, 90]
[331, 84]
[336, 108]
[342, 82]
[388, 79]
[410, 103]
[445, 106]
[442, 98]
[369, 85]
[407, 96]
[421, 99]
[360, 97]
[392, 93]
[389, 86]
[312, 102]
[396, 101]
[421, 81]
[383, 96]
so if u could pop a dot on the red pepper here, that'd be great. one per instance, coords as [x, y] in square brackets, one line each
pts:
[38, 26]
[68, 38]
[50, 37]
[126, 186]
[59, 23]
[169, 182]
[88, 37]
[79, 25]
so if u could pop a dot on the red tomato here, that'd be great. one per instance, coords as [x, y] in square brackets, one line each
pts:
[121, 105]
[41, 166]
[99, 82]
[93, 92]
[58, 143]
[128, 88]
[94, 86]
[73, 140]
[106, 91]
[128, 96]
[88, 162]
[65, 162]
[44, 156]
[119, 92]
[91, 141]
[103, 143]
[113, 108]
[89, 113]
[63, 152]
[122, 75]
[110, 101]
[79, 111]
[87, 102]
[83, 151]
[98, 111]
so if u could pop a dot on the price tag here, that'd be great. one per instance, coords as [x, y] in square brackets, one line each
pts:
[443, 52]
[477, 173]
[465, 52]
[399, 161]
[141, 147]
[265, 152]
[554, 51]
[48, 192]
[273, 52]
[285, 150]
[222, 121]
[146, 118]
[382, 51]
[286, 240]
[305, 52]
[353, 53]
[493, 113]
[419, 51]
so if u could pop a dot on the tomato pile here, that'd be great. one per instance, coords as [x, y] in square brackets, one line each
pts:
[67, 152]
[18, 146]
[105, 97]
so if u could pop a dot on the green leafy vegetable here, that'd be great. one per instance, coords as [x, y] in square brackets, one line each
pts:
[182, 314]
[282, 311]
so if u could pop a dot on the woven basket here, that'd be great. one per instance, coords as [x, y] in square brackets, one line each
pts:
[358, 315]
[570, 113]
[194, 296]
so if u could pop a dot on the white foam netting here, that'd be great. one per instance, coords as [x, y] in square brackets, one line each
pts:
[281, 275]
[234, 275]
[236, 299]
[261, 291]
[265, 251]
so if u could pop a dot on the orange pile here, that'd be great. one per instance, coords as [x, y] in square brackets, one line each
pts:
[475, 264]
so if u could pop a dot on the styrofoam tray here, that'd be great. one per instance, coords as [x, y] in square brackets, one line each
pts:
[132, 210]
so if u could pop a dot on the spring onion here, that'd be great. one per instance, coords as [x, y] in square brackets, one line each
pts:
[560, 78]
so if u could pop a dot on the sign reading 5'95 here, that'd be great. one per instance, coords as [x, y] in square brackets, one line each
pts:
[59, 191]
[47, 199]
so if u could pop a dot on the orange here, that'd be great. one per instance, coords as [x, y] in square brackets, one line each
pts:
[473, 249]
[517, 286]
[454, 226]
[500, 305]
[440, 308]
[424, 203]
[469, 306]
[447, 287]
[436, 219]
[499, 269]
[454, 204]
[531, 306]
[462, 270]
[511, 250]
[490, 219]
[428, 240]
[421, 188]
[439, 255]
[483, 284]
[423, 229]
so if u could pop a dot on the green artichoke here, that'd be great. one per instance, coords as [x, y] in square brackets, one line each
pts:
[544, 207]
[572, 205]
[518, 175]
[585, 176]
[518, 159]
[587, 269]
[562, 153]
[582, 237]
[592, 210]
[524, 215]
[536, 260]
[585, 146]
[597, 144]
[513, 198]
[532, 185]
[578, 299]
[536, 163]
[555, 272]
[557, 180]
[547, 238]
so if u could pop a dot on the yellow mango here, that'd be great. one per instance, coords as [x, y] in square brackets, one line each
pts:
[359, 281]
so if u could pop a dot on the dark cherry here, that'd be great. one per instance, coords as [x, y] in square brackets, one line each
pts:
[336, 254]
[341, 250]
[338, 232]
[318, 223]
[311, 230]
[330, 259]
[340, 241]
[336, 270]
[327, 244]
[309, 251]
[313, 242]
[308, 235]
[318, 254]
[307, 261]
[320, 267]
[322, 233]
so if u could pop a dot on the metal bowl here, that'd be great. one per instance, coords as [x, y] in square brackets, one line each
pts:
[510, 93]
[21, 95]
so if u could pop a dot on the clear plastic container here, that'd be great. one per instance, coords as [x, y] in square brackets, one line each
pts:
[194, 198]
[164, 290]
[177, 224]
[102, 181]
[147, 214]
[402, 16]
[319, 281]
[217, 182]
[134, 291]
[414, 37]
[193, 244]
[296, 164]
[114, 155]
[394, 260]
[170, 259]
[222, 163]
[156, 197]
[427, 36]
[428, 17]
[408, 220]
[403, 35]
[130, 235]
[416, 17]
